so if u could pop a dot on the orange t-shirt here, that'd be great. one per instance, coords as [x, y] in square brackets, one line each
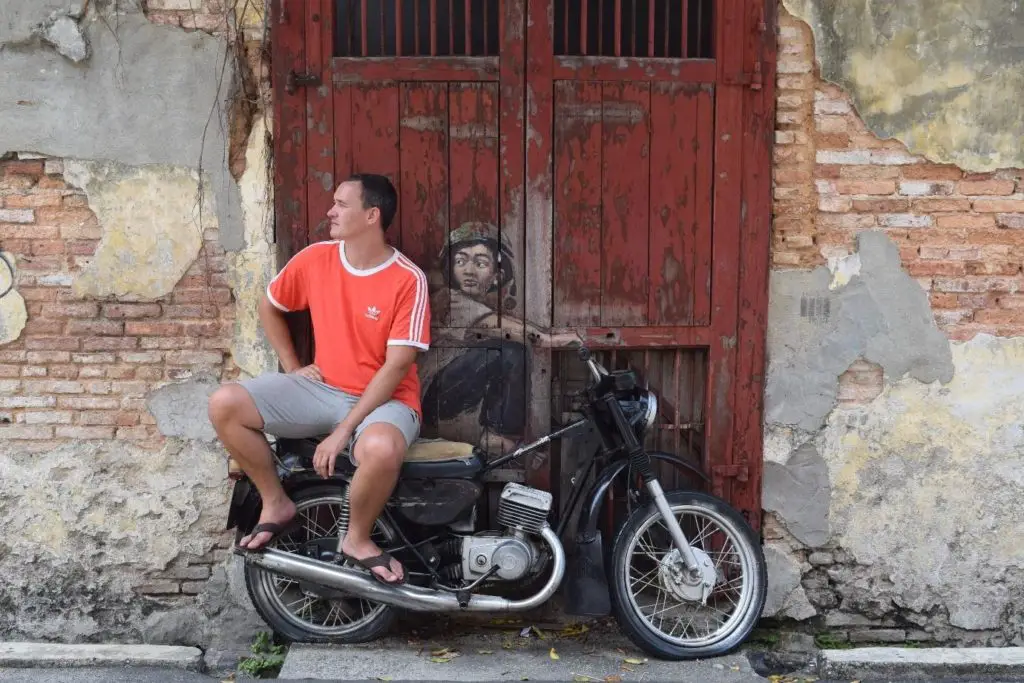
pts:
[357, 314]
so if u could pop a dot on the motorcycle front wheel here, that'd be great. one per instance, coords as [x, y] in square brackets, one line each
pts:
[307, 613]
[651, 599]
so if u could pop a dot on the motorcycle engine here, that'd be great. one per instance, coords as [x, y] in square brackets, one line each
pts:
[522, 510]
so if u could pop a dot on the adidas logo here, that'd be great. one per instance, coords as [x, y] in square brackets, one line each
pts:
[373, 313]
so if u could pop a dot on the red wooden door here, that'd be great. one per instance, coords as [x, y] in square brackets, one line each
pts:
[647, 193]
[611, 179]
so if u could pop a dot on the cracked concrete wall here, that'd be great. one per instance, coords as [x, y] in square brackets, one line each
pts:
[945, 77]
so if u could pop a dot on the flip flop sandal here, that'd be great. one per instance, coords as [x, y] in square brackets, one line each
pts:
[382, 560]
[275, 529]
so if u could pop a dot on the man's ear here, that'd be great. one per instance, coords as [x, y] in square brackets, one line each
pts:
[374, 214]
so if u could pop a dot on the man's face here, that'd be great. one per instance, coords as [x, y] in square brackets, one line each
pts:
[348, 217]
[474, 269]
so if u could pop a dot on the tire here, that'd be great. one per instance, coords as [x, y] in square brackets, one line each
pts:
[260, 582]
[627, 610]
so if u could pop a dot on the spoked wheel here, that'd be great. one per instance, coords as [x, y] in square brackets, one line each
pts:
[305, 612]
[658, 604]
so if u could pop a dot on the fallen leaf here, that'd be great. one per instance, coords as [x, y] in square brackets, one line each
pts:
[525, 633]
[634, 660]
[574, 630]
[734, 668]
[485, 652]
[553, 654]
[614, 678]
[540, 634]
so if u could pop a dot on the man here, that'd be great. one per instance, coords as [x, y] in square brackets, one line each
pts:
[371, 317]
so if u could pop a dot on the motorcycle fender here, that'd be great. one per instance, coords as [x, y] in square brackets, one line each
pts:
[244, 510]
[587, 582]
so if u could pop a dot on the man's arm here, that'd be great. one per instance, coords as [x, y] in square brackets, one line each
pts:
[276, 327]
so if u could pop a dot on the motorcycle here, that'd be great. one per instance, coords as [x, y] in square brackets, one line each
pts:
[685, 576]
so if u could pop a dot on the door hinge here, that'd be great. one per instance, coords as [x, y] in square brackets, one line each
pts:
[738, 472]
[294, 80]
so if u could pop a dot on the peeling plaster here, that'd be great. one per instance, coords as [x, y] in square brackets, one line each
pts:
[927, 487]
[251, 269]
[945, 77]
[13, 314]
[180, 408]
[147, 94]
[150, 217]
[816, 332]
[786, 597]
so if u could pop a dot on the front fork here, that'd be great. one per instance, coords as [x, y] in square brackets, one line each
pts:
[642, 463]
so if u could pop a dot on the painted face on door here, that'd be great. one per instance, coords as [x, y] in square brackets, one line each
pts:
[474, 269]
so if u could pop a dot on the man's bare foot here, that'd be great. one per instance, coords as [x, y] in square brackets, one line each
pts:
[278, 514]
[366, 553]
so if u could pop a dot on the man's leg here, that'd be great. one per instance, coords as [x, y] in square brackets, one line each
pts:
[379, 451]
[239, 425]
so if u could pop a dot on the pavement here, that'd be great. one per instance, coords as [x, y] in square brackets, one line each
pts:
[501, 654]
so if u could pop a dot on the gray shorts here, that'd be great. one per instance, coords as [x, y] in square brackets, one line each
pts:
[296, 407]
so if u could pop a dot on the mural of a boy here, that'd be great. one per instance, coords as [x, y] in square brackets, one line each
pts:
[477, 280]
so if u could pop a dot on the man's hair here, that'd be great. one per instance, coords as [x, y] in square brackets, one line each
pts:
[379, 193]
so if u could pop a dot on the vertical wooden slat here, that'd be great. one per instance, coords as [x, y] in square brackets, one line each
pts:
[618, 28]
[584, 26]
[673, 181]
[485, 31]
[363, 24]
[473, 149]
[577, 204]
[685, 19]
[728, 160]
[703, 189]
[416, 26]
[398, 27]
[650, 28]
[343, 139]
[469, 27]
[433, 28]
[537, 257]
[375, 144]
[754, 261]
[319, 103]
[424, 169]
[625, 209]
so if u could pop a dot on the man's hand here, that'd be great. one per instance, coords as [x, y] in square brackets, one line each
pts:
[309, 372]
[328, 450]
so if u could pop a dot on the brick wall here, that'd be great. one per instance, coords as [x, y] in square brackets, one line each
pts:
[960, 234]
[82, 368]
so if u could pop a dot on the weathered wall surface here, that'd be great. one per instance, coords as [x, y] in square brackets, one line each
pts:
[897, 311]
[942, 76]
[122, 319]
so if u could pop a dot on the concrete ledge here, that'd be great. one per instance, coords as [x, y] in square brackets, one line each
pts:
[921, 662]
[28, 655]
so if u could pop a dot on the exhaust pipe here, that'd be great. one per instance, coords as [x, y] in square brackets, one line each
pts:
[415, 598]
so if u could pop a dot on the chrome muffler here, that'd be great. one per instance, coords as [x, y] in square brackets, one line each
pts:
[359, 583]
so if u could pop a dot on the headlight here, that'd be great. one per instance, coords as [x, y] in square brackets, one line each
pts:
[652, 410]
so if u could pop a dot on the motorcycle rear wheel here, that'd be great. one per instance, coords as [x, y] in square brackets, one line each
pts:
[275, 597]
[644, 535]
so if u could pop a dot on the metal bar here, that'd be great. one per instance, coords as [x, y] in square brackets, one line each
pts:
[618, 28]
[665, 24]
[650, 28]
[633, 32]
[600, 27]
[416, 26]
[583, 26]
[565, 37]
[362, 20]
[398, 28]
[485, 28]
[678, 398]
[682, 38]
[383, 29]
[469, 29]
[451, 27]
[433, 28]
